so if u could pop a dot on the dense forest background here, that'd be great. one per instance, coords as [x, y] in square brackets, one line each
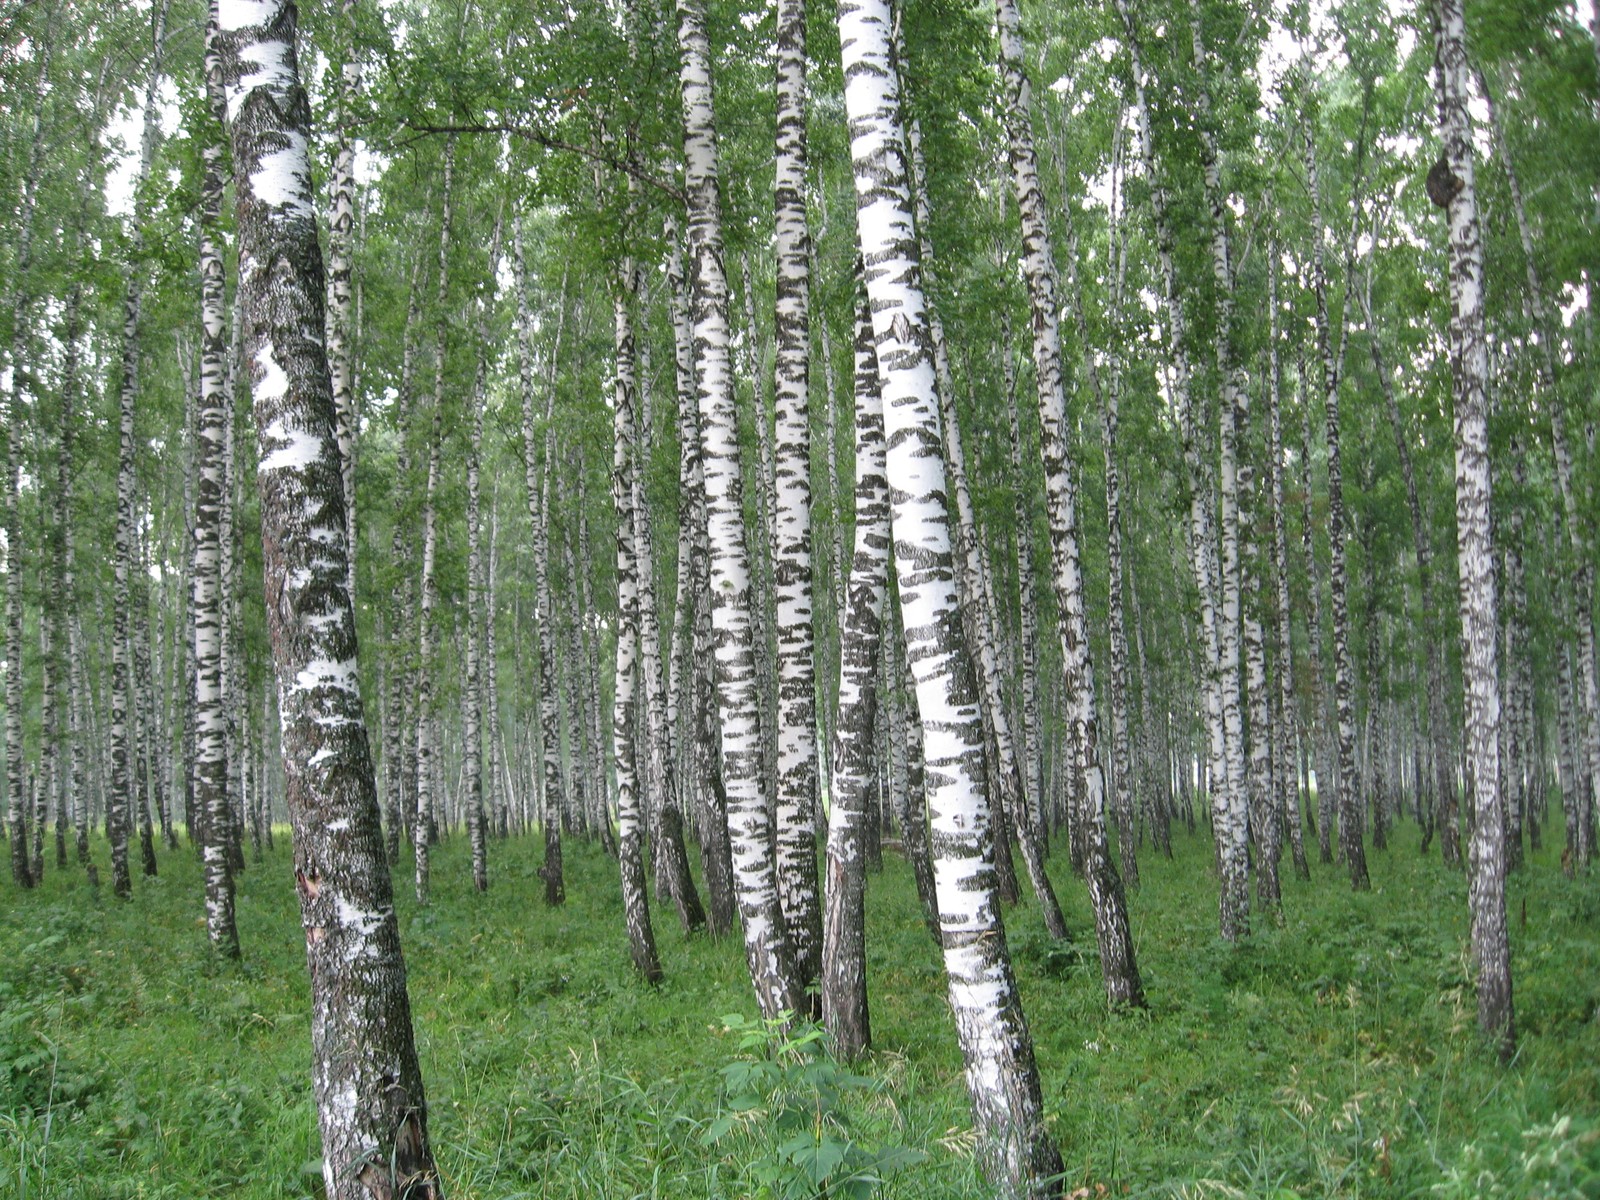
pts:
[1256, 550]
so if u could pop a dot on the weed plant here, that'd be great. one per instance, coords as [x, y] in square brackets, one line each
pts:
[1334, 1053]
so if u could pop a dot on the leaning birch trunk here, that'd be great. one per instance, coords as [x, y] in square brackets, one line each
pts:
[749, 825]
[1117, 960]
[1469, 363]
[367, 1082]
[210, 759]
[844, 966]
[1003, 1081]
[796, 791]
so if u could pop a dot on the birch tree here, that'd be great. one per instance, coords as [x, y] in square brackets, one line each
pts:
[1002, 1079]
[368, 1086]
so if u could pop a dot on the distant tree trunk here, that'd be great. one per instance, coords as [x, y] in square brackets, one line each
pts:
[1118, 963]
[1287, 743]
[1001, 1076]
[1231, 802]
[422, 829]
[77, 778]
[1575, 496]
[11, 429]
[796, 793]
[367, 1082]
[749, 825]
[472, 699]
[119, 808]
[844, 966]
[1469, 372]
[1347, 802]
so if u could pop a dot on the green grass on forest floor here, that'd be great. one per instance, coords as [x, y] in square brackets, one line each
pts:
[1332, 1056]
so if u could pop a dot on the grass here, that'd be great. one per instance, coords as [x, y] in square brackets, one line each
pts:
[1333, 1055]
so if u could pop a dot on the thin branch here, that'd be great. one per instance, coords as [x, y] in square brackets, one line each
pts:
[549, 142]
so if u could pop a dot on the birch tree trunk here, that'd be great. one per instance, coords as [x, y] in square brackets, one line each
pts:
[1001, 1076]
[844, 966]
[1347, 797]
[709, 803]
[1286, 746]
[119, 807]
[795, 810]
[210, 767]
[1469, 370]
[422, 828]
[341, 254]
[630, 818]
[367, 1082]
[1117, 960]
[749, 825]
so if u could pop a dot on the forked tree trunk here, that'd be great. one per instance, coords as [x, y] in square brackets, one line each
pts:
[368, 1086]
[1002, 1079]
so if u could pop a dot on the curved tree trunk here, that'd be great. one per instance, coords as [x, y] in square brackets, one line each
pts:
[368, 1085]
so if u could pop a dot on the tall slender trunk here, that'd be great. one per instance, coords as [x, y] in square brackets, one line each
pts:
[709, 803]
[423, 821]
[119, 809]
[11, 429]
[796, 792]
[1002, 1079]
[472, 699]
[1286, 747]
[1348, 800]
[630, 818]
[1575, 494]
[367, 1081]
[341, 255]
[1118, 963]
[749, 825]
[844, 965]
[1469, 372]
[1199, 526]
[1317, 720]
[1231, 802]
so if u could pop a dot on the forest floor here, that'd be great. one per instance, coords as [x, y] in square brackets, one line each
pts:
[1334, 1055]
